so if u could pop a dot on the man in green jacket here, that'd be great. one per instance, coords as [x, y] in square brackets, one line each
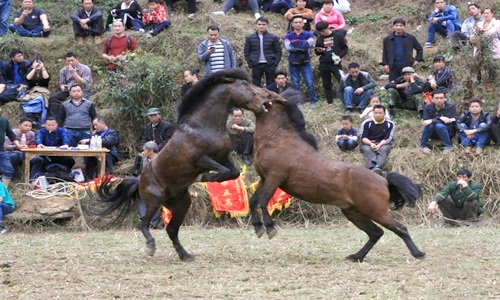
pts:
[241, 131]
[459, 200]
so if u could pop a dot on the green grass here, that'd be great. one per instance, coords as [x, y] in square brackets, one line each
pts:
[233, 264]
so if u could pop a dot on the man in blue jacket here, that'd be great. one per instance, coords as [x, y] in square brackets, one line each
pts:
[443, 20]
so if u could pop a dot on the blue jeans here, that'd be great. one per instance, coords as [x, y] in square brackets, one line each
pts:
[37, 32]
[360, 100]
[5, 209]
[76, 136]
[4, 16]
[479, 139]
[347, 145]
[156, 28]
[442, 30]
[6, 165]
[307, 74]
[434, 131]
[142, 212]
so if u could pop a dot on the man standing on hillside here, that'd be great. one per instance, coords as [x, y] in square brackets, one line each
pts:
[216, 53]
[297, 44]
[4, 16]
[31, 21]
[73, 73]
[117, 47]
[88, 21]
[397, 51]
[262, 52]
[76, 115]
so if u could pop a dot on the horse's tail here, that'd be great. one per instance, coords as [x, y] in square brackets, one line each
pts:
[403, 190]
[120, 196]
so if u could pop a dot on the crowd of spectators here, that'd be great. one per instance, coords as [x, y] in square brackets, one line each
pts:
[69, 117]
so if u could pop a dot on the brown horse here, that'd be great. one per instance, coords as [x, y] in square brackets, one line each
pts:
[200, 145]
[286, 156]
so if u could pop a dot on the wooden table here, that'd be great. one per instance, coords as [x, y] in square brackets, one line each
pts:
[29, 153]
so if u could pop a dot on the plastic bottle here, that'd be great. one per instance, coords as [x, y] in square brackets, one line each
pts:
[92, 143]
[99, 143]
[23, 139]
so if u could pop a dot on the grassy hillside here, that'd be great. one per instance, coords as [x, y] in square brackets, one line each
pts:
[154, 79]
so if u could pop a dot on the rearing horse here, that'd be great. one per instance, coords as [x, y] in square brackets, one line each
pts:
[286, 156]
[199, 145]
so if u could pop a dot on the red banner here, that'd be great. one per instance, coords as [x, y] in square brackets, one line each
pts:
[279, 201]
[166, 215]
[228, 197]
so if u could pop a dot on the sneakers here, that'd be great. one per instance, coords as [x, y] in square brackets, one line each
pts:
[428, 45]
[348, 111]
[219, 13]
[2, 230]
[313, 105]
[446, 151]
[80, 41]
[257, 15]
[97, 39]
[479, 151]
[191, 16]
[149, 35]
[467, 149]
[142, 30]
[425, 150]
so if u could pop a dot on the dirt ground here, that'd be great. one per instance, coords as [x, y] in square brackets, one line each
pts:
[461, 263]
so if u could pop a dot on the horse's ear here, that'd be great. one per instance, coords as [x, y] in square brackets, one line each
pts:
[228, 79]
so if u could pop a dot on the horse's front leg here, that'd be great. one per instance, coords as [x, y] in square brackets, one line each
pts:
[254, 212]
[179, 207]
[225, 171]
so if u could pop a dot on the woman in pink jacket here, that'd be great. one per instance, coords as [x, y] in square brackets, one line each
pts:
[332, 16]
[488, 31]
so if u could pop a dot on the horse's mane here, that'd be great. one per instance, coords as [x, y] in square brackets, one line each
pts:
[293, 97]
[194, 96]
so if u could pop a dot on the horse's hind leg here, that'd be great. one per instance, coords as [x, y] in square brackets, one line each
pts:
[371, 229]
[179, 209]
[388, 222]
[151, 209]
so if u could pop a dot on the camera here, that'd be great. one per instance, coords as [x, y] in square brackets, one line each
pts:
[211, 48]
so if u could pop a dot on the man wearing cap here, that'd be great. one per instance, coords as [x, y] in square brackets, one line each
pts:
[157, 130]
[397, 51]
[405, 91]
[459, 199]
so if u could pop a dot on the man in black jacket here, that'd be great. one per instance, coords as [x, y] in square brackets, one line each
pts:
[332, 47]
[88, 21]
[157, 130]
[110, 141]
[262, 52]
[397, 51]
[14, 76]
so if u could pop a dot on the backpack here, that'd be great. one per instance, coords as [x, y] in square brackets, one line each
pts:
[129, 41]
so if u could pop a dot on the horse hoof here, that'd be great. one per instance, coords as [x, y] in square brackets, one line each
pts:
[354, 258]
[271, 233]
[187, 258]
[420, 256]
[150, 251]
[260, 232]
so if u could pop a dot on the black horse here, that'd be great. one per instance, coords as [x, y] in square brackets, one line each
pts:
[199, 145]
[286, 156]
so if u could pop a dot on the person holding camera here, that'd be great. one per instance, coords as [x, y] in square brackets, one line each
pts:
[216, 53]
[459, 199]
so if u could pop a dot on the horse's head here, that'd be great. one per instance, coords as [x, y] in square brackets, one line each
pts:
[246, 95]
